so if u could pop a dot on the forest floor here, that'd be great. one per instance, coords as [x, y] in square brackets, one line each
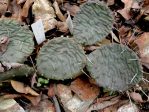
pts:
[28, 89]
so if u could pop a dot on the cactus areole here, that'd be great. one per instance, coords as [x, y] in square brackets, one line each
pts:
[61, 58]
[92, 23]
[16, 41]
[115, 66]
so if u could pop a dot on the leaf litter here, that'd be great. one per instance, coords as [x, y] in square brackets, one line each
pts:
[23, 86]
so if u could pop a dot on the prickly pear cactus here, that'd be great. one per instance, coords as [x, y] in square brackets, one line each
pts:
[61, 58]
[20, 43]
[92, 23]
[115, 66]
[17, 72]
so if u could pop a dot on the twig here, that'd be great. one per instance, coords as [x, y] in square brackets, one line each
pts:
[57, 107]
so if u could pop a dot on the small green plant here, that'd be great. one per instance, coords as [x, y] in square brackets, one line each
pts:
[20, 44]
[61, 58]
[92, 23]
[42, 81]
[115, 66]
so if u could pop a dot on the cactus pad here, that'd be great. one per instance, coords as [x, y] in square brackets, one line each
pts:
[115, 66]
[17, 72]
[61, 58]
[20, 43]
[92, 23]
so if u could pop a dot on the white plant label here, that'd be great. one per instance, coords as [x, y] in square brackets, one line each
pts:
[38, 30]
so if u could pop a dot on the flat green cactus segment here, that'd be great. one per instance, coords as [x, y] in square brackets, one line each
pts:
[61, 58]
[21, 42]
[92, 23]
[16, 72]
[115, 66]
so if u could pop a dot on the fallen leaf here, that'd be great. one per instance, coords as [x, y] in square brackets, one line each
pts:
[113, 108]
[15, 9]
[21, 88]
[136, 97]
[43, 106]
[3, 6]
[42, 9]
[62, 26]
[84, 89]
[10, 105]
[11, 96]
[73, 9]
[128, 108]
[70, 102]
[145, 3]
[26, 7]
[33, 99]
[58, 12]
[142, 41]
[64, 92]
[143, 44]
[104, 104]
[20, 1]
[110, 2]
[125, 12]
[51, 90]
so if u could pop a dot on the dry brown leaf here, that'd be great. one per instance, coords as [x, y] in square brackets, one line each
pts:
[71, 103]
[21, 88]
[110, 2]
[42, 9]
[26, 7]
[84, 89]
[11, 96]
[20, 1]
[64, 92]
[136, 97]
[60, 1]
[143, 44]
[143, 40]
[33, 99]
[51, 90]
[15, 9]
[43, 106]
[104, 104]
[130, 107]
[58, 12]
[113, 108]
[10, 105]
[145, 3]
[3, 6]
[62, 26]
[128, 3]
[73, 9]
[125, 11]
